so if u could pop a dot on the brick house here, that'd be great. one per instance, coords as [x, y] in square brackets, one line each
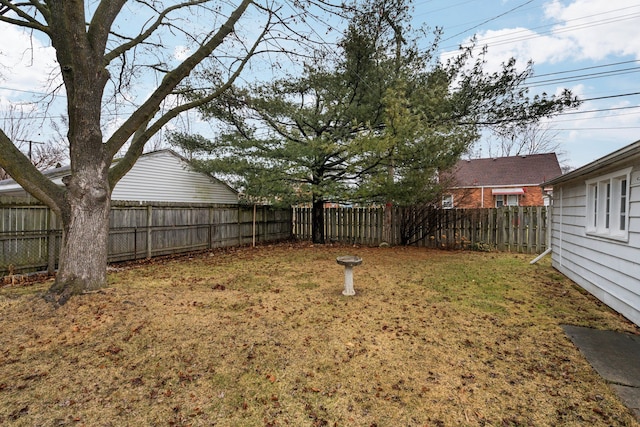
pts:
[502, 181]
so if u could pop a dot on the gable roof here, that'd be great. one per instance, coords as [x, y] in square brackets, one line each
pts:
[161, 175]
[533, 169]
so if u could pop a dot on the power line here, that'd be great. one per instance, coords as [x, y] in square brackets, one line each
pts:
[450, 6]
[567, 29]
[580, 119]
[611, 96]
[599, 110]
[512, 38]
[582, 77]
[588, 68]
[532, 81]
[489, 20]
[566, 21]
[610, 73]
[596, 128]
[456, 5]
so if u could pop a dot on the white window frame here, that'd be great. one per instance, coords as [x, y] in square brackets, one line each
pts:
[447, 201]
[507, 200]
[513, 200]
[608, 205]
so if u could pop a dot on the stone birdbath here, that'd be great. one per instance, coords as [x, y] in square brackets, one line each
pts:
[349, 262]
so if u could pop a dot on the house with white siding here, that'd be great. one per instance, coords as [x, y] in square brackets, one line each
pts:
[159, 176]
[595, 229]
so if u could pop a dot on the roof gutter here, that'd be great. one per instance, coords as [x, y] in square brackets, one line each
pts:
[621, 154]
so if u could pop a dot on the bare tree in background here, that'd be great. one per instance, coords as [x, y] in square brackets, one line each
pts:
[531, 138]
[16, 121]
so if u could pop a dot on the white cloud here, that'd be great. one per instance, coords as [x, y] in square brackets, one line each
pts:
[597, 28]
[523, 45]
[581, 30]
[25, 63]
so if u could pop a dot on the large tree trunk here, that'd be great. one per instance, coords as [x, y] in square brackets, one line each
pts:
[85, 50]
[317, 219]
[84, 211]
[85, 232]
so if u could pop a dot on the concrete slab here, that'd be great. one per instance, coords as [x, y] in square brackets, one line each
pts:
[630, 396]
[615, 356]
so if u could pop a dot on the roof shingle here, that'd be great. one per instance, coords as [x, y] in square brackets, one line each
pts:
[533, 169]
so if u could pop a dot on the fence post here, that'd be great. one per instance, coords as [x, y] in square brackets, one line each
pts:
[51, 248]
[294, 222]
[540, 234]
[149, 230]
[265, 223]
[210, 228]
[238, 226]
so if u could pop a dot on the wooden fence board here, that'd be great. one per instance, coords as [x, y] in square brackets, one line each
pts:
[515, 229]
[30, 234]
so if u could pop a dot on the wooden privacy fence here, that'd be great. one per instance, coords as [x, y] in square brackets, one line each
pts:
[514, 229]
[30, 234]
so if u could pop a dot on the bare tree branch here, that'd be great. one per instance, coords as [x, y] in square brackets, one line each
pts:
[170, 81]
[27, 175]
[120, 50]
[27, 20]
[100, 26]
[141, 137]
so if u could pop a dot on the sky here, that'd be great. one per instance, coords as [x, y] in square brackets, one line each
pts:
[591, 47]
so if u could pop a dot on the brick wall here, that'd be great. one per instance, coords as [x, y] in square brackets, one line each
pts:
[476, 198]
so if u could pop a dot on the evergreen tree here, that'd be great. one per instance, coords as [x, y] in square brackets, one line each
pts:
[375, 124]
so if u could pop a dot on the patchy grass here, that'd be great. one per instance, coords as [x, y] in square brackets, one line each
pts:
[264, 337]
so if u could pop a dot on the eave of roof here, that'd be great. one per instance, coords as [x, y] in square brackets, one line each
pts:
[622, 154]
[537, 184]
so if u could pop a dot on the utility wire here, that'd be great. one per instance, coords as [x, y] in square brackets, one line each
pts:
[599, 110]
[582, 77]
[611, 96]
[565, 29]
[535, 84]
[489, 20]
[587, 68]
[511, 37]
[528, 30]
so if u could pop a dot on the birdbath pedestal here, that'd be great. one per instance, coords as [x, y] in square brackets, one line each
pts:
[349, 262]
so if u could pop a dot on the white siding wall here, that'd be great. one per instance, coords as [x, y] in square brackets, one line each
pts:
[164, 177]
[608, 269]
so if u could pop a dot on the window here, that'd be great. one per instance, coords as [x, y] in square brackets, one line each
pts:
[507, 200]
[608, 204]
[447, 201]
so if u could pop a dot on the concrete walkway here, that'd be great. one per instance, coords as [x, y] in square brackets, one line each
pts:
[615, 356]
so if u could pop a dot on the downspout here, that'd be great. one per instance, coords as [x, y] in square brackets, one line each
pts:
[542, 255]
[560, 230]
[549, 229]
[482, 196]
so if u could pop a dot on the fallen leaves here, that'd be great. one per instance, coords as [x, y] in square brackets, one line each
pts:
[266, 338]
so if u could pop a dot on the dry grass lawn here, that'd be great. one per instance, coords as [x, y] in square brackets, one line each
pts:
[264, 337]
